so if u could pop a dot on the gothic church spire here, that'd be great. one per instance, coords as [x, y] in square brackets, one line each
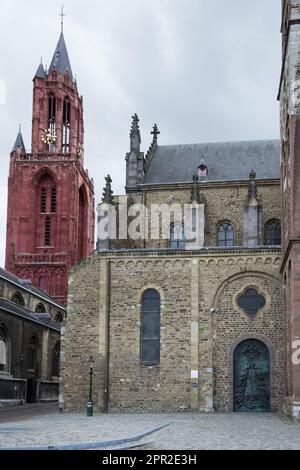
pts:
[19, 143]
[60, 60]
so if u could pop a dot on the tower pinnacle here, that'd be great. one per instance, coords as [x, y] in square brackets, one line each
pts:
[62, 15]
[135, 135]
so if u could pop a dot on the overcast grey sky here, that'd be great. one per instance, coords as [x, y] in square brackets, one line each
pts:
[203, 70]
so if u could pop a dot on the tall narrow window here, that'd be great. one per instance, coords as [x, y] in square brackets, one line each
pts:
[66, 125]
[3, 351]
[46, 209]
[273, 232]
[52, 118]
[53, 200]
[225, 234]
[55, 360]
[150, 328]
[177, 237]
[43, 200]
[47, 231]
[42, 282]
[32, 354]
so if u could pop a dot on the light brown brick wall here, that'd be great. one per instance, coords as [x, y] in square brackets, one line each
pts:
[219, 277]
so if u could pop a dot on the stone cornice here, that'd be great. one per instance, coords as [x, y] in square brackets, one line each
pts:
[201, 185]
[204, 252]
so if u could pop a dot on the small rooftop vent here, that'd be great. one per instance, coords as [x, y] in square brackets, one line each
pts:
[202, 169]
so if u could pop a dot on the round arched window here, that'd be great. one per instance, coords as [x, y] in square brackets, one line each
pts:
[273, 232]
[225, 234]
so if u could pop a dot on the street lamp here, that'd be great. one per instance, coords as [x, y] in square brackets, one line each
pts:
[90, 405]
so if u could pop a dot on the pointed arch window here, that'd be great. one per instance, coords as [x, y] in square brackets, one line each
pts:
[66, 125]
[40, 308]
[225, 235]
[18, 299]
[273, 232]
[46, 194]
[4, 361]
[177, 237]
[150, 328]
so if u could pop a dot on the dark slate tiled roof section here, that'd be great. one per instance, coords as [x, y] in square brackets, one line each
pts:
[60, 60]
[40, 73]
[20, 311]
[19, 143]
[24, 285]
[229, 161]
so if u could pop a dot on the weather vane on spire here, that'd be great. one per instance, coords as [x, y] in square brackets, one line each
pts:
[62, 15]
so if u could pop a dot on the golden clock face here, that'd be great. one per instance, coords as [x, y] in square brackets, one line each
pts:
[48, 136]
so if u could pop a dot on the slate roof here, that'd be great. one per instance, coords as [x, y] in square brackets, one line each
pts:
[228, 161]
[23, 284]
[23, 312]
[19, 143]
[60, 59]
[40, 73]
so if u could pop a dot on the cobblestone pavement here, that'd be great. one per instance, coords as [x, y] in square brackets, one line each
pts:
[26, 411]
[187, 431]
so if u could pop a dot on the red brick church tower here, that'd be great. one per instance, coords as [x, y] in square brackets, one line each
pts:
[50, 217]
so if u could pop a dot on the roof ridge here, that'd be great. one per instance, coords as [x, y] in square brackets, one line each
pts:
[222, 143]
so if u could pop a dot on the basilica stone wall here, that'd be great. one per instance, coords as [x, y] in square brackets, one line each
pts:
[222, 202]
[200, 326]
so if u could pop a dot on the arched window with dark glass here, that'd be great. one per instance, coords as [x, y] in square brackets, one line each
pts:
[18, 299]
[150, 328]
[59, 318]
[66, 125]
[46, 208]
[46, 194]
[273, 232]
[225, 234]
[177, 237]
[4, 361]
[32, 354]
[40, 308]
[55, 360]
